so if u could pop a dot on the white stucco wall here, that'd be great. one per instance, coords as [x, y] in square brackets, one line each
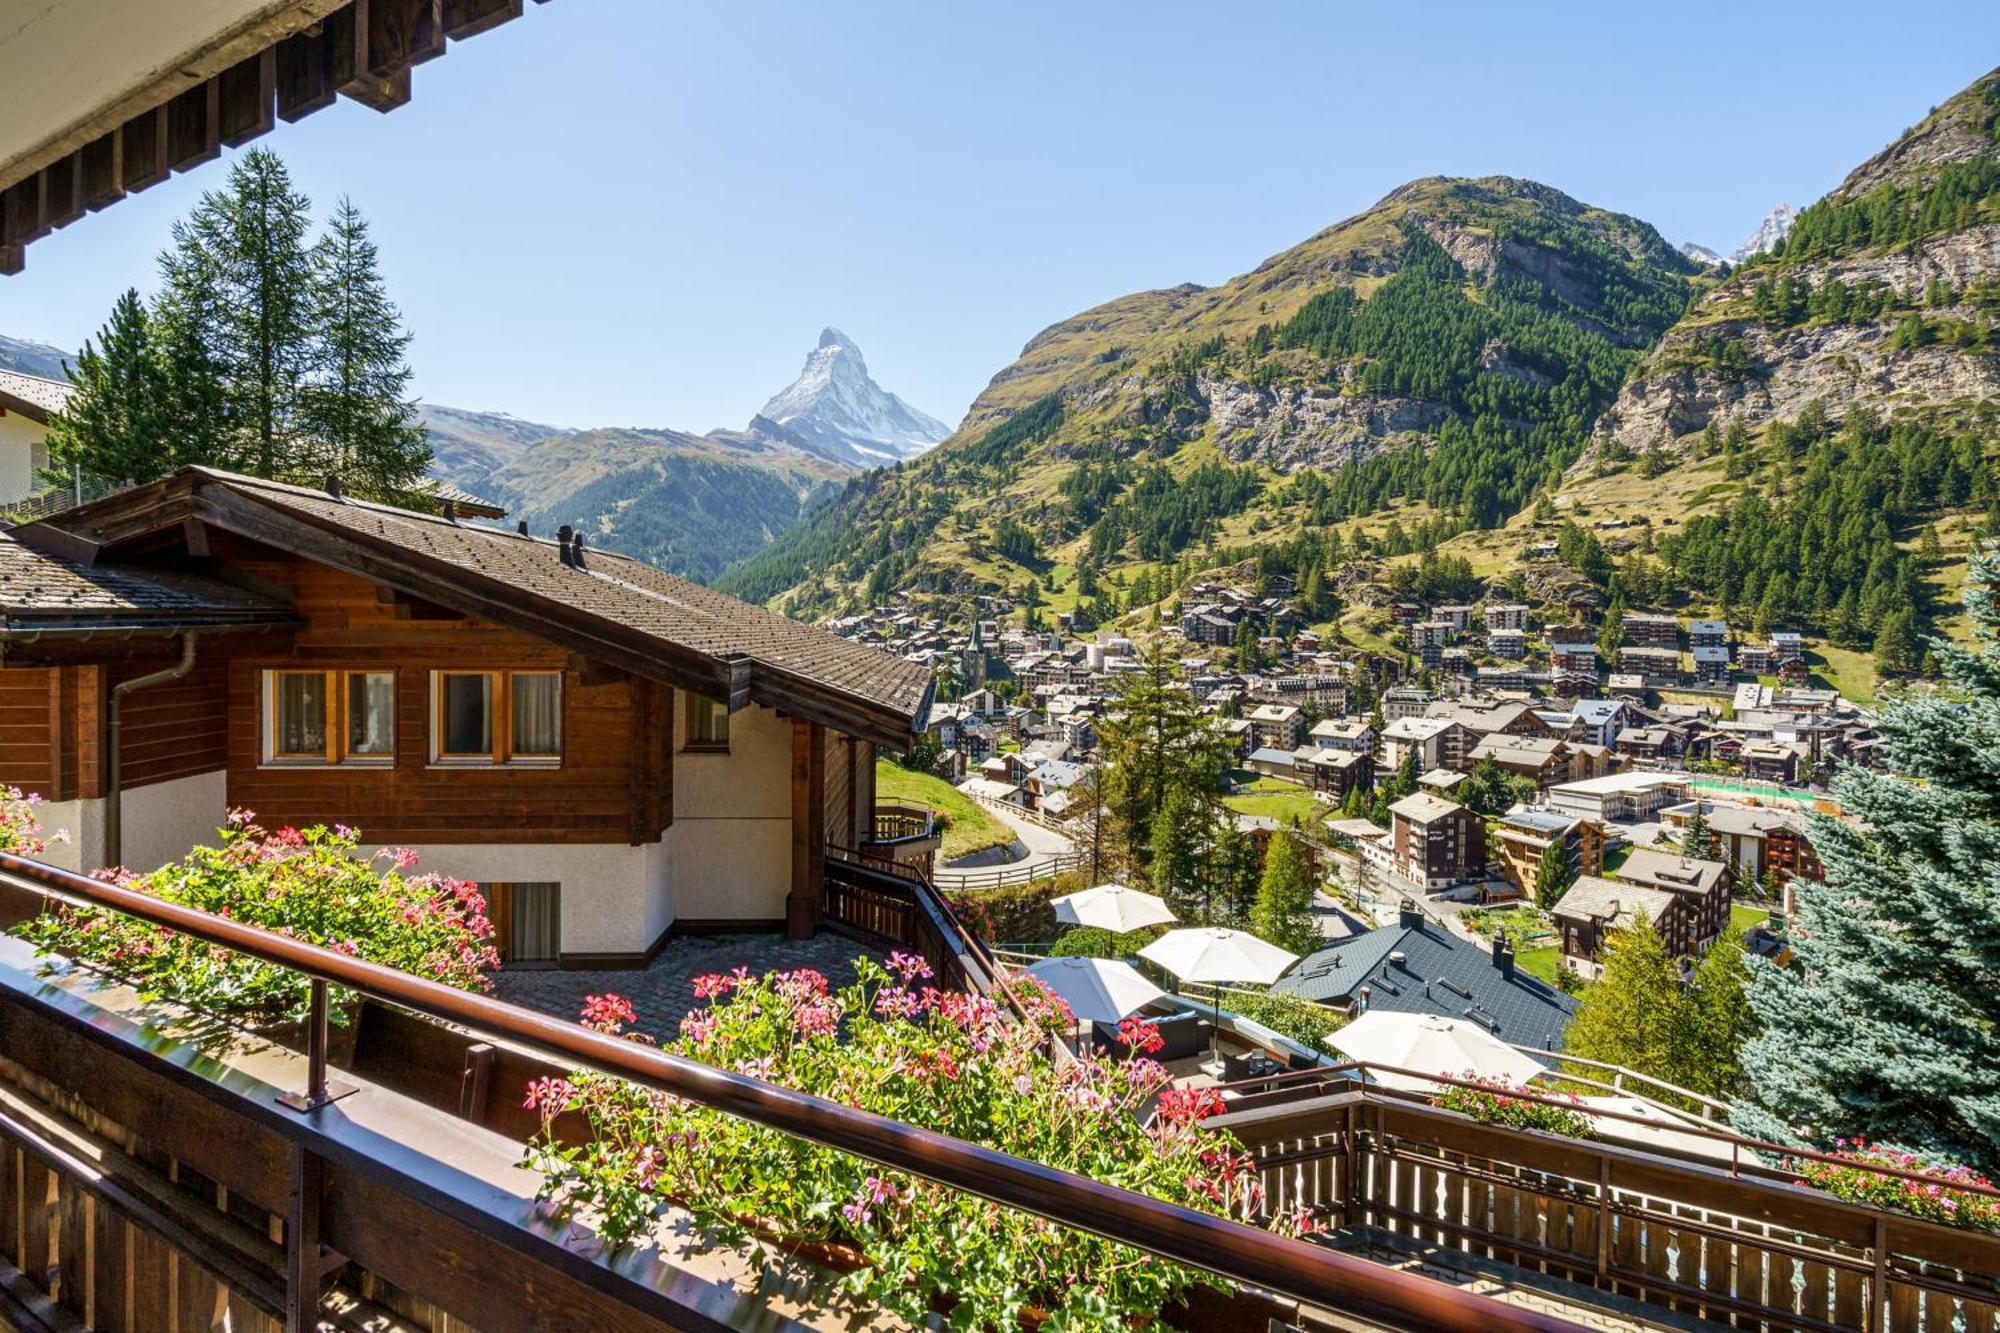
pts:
[615, 898]
[162, 821]
[731, 840]
[21, 453]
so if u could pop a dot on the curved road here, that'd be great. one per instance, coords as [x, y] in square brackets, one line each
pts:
[1044, 845]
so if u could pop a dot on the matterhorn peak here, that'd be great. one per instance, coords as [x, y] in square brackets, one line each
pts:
[838, 408]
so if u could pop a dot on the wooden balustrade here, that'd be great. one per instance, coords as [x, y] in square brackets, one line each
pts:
[1745, 1249]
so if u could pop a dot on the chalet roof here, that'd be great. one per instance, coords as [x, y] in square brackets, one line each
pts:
[1521, 749]
[1438, 973]
[1422, 807]
[1617, 904]
[32, 396]
[610, 608]
[1671, 871]
[41, 592]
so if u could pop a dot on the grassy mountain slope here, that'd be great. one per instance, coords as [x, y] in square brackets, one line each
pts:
[1450, 346]
[1816, 444]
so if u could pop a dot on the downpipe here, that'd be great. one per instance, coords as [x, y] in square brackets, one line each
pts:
[114, 795]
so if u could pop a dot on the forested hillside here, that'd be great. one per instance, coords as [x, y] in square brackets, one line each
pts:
[1451, 348]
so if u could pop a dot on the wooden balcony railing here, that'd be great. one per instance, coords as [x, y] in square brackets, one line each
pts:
[382, 1191]
[897, 822]
[1740, 1242]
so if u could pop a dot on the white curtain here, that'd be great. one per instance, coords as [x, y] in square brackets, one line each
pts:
[537, 923]
[537, 713]
[301, 713]
[371, 713]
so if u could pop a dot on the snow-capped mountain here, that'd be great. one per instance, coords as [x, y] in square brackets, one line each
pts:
[1700, 254]
[1777, 224]
[836, 409]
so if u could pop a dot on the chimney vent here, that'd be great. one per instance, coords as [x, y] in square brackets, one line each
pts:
[1409, 916]
[563, 535]
[451, 511]
[576, 551]
[333, 484]
[1503, 955]
[522, 527]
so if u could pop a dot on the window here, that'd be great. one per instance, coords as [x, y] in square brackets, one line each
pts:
[707, 724]
[536, 714]
[329, 717]
[527, 922]
[496, 717]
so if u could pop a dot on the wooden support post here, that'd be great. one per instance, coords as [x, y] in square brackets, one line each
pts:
[476, 1082]
[304, 1272]
[808, 828]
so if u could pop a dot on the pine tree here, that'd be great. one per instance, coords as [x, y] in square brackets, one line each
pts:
[255, 234]
[1888, 1024]
[197, 425]
[1552, 877]
[1178, 843]
[1897, 647]
[1719, 1019]
[1283, 914]
[110, 429]
[1160, 741]
[1611, 632]
[357, 409]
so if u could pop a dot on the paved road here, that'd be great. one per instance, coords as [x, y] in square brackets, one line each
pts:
[1044, 845]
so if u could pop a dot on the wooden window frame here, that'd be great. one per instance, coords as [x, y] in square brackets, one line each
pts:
[690, 744]
[500, 722]
[334, 682]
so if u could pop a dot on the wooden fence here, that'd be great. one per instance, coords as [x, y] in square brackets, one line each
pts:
[1743, 1248]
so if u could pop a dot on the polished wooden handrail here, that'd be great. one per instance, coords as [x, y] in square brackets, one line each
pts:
[1236, 1251]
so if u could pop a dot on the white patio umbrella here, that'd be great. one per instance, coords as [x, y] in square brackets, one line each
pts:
[1430, 1044]
[1112, 907]
[1663, 1132]
[1217, 954]
[1097, 990]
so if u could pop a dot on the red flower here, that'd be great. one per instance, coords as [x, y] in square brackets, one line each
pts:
[607, 1013]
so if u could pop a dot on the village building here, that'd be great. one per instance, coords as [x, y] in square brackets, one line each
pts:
[1544, 760]
[1704, 884]
[1656, 631]
[1768, 844]
[1334, 774]
[26, 404]
[1621, 798]
[1347, 733]
[1651, 664]
[1507, 617]
[1276, 726]
[614, 753]
[1426, 737]
[1401, 701]
[1435, 843]
[1522, 837]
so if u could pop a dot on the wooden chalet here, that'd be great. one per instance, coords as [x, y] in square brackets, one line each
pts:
[613, 752]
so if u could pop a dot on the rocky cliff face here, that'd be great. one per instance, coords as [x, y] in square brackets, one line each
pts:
[1676, 394]
[1731, 358]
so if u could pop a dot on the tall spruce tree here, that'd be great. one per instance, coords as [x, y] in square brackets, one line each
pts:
[1283, 914]
[1160, 741]
[110, 431]
[357, 409]
[1553, 877]
[1888, 1024]
[254, 232]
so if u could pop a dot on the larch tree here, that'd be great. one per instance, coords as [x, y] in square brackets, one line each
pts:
[1283, 913]
[1642, 1014]
[1887, 1024]
[357, 408]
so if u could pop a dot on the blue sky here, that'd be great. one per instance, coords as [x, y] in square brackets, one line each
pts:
[641, 212]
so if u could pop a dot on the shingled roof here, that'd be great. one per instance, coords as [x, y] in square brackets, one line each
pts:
[608, 607]
[40, 592]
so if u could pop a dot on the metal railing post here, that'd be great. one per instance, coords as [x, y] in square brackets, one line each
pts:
[319, 1089]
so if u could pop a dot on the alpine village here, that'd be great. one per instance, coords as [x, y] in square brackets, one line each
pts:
[1448, 782]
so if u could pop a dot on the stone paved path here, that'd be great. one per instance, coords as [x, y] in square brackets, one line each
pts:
[663, 992]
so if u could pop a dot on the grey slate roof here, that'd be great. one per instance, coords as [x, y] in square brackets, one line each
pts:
[1441, 974]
